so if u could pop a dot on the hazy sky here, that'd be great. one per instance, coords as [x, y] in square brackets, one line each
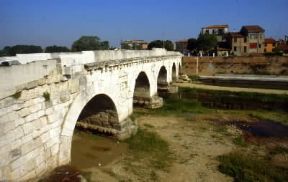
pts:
[60, 22]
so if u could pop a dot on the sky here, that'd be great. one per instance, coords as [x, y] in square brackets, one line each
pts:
[61, 22]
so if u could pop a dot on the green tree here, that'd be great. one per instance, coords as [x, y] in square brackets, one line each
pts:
[85, 43]
[54, 48]
[192, 44]
[206, 42]
[104, 45]
[167, 44]
[5, 51]
[20, 49]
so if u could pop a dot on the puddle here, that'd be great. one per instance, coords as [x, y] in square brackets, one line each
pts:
[91, 150]
[263, 128]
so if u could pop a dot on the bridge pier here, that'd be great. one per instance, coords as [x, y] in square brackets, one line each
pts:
[148, 102]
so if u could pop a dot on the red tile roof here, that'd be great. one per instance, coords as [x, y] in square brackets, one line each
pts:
[216, 26]
[270, 41]
[235, 34]
[253, 28]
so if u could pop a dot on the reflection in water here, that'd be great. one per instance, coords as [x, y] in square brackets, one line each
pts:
[90, 150]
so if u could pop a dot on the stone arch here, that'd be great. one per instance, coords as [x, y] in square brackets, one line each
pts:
[75, 111]
[141, 89]
[162, 79]
[174, 72]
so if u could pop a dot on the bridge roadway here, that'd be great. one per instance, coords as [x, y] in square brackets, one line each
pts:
[42, 99]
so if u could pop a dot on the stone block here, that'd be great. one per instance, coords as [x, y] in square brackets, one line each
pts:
[31, 145]
[15, 154]
[11, 116]
[40, 170]
[35, 107]
[54, 149]
[7, 126]
[45, 137]
[29, 176]
[64, 96]
[28, 128]
[19, 122]
[24, 112]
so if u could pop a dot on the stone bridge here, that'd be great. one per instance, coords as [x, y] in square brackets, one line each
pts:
[44, 95]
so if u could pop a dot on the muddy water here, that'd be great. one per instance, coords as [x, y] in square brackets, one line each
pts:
[90, 150]
[263, 128]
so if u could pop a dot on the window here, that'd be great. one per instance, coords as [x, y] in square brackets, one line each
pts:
[235, 48]
[245, 49]
[253, 45]
[235, 39]
[245, 39]
[259, 45]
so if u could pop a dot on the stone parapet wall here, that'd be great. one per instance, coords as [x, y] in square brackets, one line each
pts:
[30, 128]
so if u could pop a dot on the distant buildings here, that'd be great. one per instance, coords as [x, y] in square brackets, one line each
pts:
[250, 40]
[181, 45]
[134, 44]
[270, 44]
[218, 30]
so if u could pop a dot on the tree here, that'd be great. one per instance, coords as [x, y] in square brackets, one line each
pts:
[5, 51]
[192, 44]
[54, 48]
[104, 45]
[85, 43]
[20, 49]
[206, 42]
[168, 45]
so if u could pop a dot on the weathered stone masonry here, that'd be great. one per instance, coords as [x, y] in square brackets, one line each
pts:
[41, 101]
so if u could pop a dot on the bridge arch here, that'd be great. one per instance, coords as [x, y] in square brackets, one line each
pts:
[142, 89]
[162, 79]
[83, 107]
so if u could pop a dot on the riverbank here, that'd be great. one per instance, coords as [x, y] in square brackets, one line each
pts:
[186, 141]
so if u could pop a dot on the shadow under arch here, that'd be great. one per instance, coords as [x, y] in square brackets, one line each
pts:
[141, 94]
[162, 82]
[174, 75]
[99, 114]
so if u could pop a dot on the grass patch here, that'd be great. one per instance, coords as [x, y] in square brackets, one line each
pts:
[46, 95]
[240, 141]
[149, 145]
[17, 95]
[280, 117]
[178, 106]
[246, 167]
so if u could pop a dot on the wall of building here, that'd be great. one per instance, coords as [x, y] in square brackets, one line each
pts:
[236, 65]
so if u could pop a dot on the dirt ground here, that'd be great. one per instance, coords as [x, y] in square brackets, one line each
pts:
[194, 146]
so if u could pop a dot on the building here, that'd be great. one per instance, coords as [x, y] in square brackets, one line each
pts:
[134, 44]
[270, 44]
[218, 30]
[237, 43]
[254, 37]
[181, 45]
[250, 40]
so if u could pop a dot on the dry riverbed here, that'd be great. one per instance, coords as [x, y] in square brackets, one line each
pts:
[185, 146]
